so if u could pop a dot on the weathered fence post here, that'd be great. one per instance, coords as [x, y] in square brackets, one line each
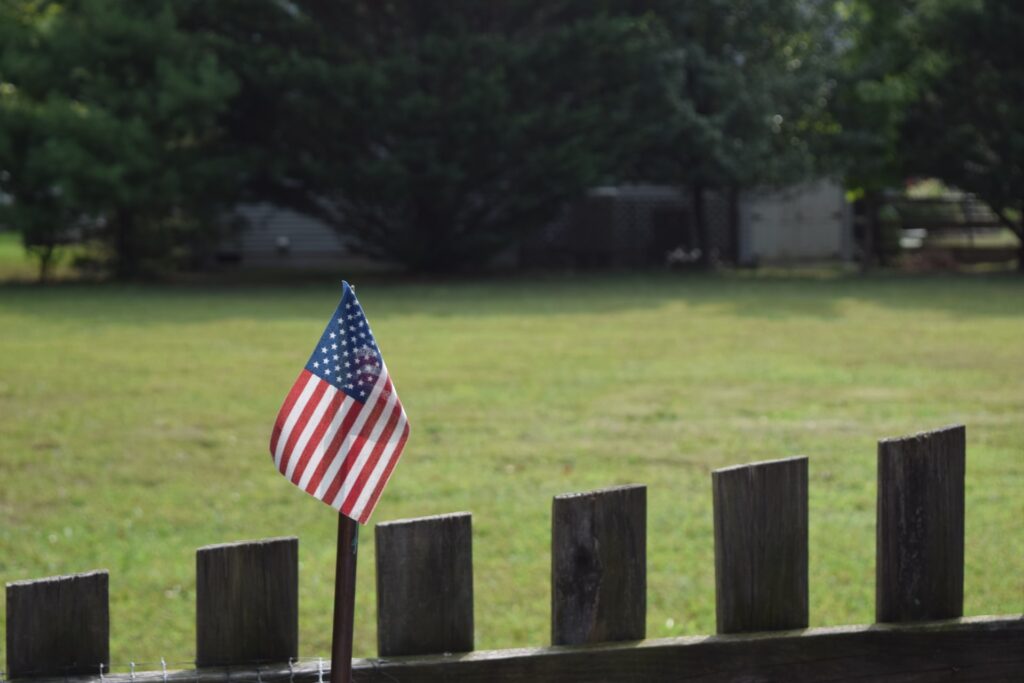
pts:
[425, 585]
[599, 566]
[919, 564]
[761, 546]
[247, 602]
[58, 626]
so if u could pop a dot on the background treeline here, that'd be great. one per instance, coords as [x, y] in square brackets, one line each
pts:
[435, 133]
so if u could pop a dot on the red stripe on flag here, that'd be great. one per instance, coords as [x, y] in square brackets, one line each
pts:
[318, 434]
[372, 502]
[332, 454]
[374, 457]
[357, 446]
[300, 424]
[286, 408]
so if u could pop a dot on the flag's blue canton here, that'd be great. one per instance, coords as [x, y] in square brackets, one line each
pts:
[347, 355]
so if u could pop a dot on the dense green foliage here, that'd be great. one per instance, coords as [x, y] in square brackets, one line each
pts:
[753, 76]
[935, 88]
[750, 86]
[967, 124]
[135, 423]
[436, 133]
[109, 128]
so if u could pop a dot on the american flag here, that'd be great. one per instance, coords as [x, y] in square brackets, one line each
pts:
[342, 428]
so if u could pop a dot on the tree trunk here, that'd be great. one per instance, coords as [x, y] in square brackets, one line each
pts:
[45, 256]
[126, 257]
[870, 240]
[1020, 251]
[1018, 230]
[700, 224]
[734, 224]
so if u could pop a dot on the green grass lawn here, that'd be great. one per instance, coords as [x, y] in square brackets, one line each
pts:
[14, 262]
[134, 424]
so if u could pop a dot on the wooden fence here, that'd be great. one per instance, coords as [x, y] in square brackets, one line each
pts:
[247, 596]
[947, 230]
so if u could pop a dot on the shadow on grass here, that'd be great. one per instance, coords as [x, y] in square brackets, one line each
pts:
[304, 295]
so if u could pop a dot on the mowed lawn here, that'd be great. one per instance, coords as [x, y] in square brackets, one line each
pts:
[134, 424]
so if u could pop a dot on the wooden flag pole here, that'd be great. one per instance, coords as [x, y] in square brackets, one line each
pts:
[344, 599]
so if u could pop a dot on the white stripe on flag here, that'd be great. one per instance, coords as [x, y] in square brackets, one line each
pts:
[329, 435]
[293, 417]
[366, 450]
[382, 464]
[353, 432]
[314, 421]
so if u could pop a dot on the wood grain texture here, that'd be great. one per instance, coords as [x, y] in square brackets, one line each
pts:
[247, 602]
[599, 566]
[919, 564]
[760, 515]
[58, 626]
[425, 585]
[973, 649]
[973, 652]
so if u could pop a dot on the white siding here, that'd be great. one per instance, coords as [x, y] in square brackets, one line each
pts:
[804, 222]
[269, 227]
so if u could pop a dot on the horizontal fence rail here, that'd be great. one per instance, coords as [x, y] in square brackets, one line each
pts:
[247, 596]
[969, 649]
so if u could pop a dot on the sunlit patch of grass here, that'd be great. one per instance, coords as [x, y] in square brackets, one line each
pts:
[18, 265]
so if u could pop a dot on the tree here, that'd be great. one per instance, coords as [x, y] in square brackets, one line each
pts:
[109, 125]
[751, 81]
[874, 87]
[34, 206]
[966, 125]
[437, 133]
[934, 88]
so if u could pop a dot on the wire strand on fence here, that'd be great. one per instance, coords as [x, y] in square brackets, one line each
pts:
[185, 671]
